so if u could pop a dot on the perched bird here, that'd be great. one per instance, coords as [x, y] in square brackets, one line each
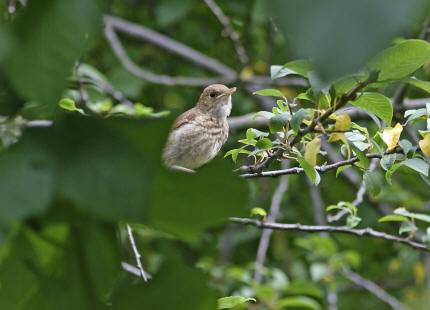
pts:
[198, 134]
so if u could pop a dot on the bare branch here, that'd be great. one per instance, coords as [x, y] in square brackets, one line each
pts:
[234, 36]
[331, 229]
[226, 74]
[374, 289]
[136, 254]
[265, 236]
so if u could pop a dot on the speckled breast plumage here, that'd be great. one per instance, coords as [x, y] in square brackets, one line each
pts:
[196, 142]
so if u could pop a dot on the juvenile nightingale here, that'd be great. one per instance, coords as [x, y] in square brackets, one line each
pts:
[197, 135]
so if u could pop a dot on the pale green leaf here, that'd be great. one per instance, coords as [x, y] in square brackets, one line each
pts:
[269, 92]
[232, 301]
[301, 302]
[393, 218]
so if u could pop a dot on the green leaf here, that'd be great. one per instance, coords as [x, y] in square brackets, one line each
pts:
[258, 133]
[265, 114]
[258, 211]
[417, 216]
[393, 218]
[301, 302]
[233, 301]
[299, 67]
[390, 172]
[269, 92]
[352, 221]
[67, 104]
[387, 161]
[400, 60]
[235, 152]
[51, 35]
[340, 169]
[418, 165]
[407, 146]
[309, 170]
[264, 143]
[424, 85]
[376, 103]
[26, 180]
[407, 227]
[372, 182]
[278, 122]
[364, 161]
[298, 117]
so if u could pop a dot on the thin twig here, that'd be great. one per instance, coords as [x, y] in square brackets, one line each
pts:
[234, 36]
[358, 199]
[321, 169]
[265, 235]
[332, 229]
[374, 289]
[136, 254]
[83, 92]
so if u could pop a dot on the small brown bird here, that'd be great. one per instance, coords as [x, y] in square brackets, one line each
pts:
[198, 134]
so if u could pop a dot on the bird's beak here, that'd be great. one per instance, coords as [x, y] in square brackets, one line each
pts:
[227, 93]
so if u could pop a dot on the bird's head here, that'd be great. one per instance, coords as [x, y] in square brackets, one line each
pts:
[216, 100]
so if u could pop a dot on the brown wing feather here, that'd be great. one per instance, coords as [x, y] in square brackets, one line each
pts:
[185, 118]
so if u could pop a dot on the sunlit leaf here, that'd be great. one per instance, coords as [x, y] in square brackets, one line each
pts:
[425, 145]
[312, 149]
[391, 136]
[393, 218]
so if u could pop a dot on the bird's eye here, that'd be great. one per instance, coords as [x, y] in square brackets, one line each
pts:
[212, 94]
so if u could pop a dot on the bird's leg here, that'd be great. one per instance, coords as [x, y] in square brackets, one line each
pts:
[183, 169]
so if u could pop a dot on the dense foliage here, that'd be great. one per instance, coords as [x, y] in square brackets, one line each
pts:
[336, 141]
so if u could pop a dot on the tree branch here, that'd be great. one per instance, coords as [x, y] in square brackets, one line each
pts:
[226, 74]
[321, 169]
[234, 36]
[331, 229]
[136, 254]
[374, 289]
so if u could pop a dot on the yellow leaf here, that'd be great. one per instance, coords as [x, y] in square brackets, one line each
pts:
[391, 136]
[311, 150]
[246, 73]
[343, 122]
[425, 145]
[340, 136]
[419, 273]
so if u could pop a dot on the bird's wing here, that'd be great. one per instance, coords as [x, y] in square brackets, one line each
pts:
[185, 118]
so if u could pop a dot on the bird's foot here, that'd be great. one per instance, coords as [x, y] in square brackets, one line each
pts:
[183, 169]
